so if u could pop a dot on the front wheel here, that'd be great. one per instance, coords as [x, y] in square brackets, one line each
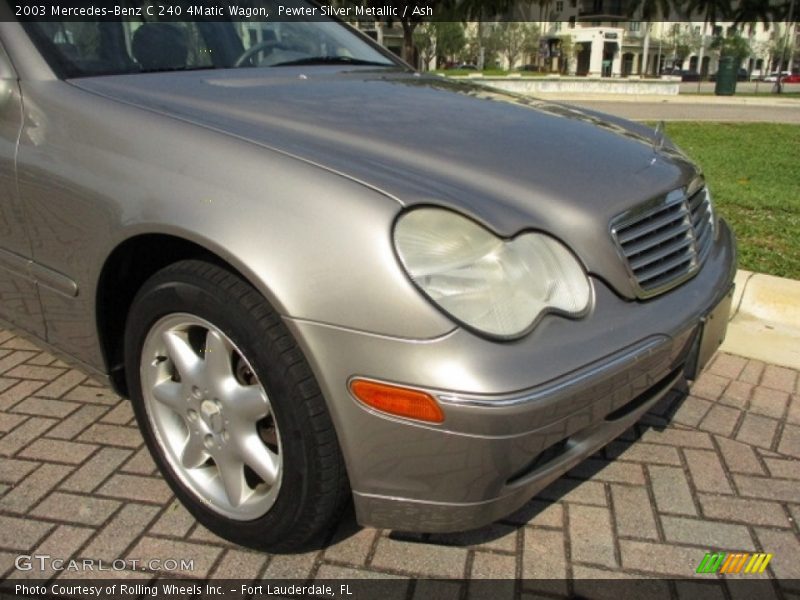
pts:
[230, 410]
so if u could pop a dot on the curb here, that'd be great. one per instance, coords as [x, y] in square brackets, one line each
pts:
[765, 321]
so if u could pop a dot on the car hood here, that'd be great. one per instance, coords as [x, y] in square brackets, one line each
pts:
[511, 162]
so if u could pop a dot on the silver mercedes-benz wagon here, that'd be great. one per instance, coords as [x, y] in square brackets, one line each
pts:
[321, 276]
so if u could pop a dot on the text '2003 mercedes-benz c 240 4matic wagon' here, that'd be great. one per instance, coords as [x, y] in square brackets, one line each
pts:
[320, 275]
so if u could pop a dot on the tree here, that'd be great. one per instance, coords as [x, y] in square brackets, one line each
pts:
[442, 39]
[751, 11]
[480, 10]
[483, 42]
[458, 10]
[450, 38]
[780, 49]
[425, 42]
[684, 41]
[712, 11]
[517, 39]
[569, 53]
[409, 20]
[733, 45]
[649, 10]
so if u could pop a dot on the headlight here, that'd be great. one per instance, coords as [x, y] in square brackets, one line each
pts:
[499, 287]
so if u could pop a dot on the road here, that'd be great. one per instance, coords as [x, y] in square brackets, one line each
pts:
[646, 110]
[750, 104]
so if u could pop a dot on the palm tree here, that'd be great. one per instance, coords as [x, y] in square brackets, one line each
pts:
[752, 11]
[712, 11]
[650, 10]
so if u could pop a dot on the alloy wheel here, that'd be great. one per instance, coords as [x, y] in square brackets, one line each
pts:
[211, 416]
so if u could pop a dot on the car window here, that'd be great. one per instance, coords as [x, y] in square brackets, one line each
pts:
[96, 47]
[150, 42]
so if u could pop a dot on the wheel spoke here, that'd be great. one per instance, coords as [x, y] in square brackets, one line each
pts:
[194, 453]
[170, 393]
[217, 358]
[260, 458]
[249, 402]
[182, 355]
[231, 472]
[211, 416]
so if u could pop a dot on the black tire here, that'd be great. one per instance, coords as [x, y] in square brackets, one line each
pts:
[314, 487]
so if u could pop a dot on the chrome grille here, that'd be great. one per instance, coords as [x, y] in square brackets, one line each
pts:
[665, 241]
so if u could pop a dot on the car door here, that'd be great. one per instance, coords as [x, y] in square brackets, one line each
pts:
[19, 298]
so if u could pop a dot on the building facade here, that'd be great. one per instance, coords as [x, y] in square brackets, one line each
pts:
[599, 38]
[607, 41]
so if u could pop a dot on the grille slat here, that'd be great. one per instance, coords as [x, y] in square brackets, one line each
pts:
[654, 271]
[702, 226]
[697, 199]
[664, 243]
[700, 219]
[640, 229]
[680, 244]
[638, 246]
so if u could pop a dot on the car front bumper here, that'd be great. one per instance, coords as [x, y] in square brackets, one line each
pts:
[517, 414]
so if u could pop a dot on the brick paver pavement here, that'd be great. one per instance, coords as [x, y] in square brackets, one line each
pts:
[718, 468]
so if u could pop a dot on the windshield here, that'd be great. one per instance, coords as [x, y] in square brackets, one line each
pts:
[148, 42]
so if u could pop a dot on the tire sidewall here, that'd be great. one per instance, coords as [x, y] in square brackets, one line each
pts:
[182, 294]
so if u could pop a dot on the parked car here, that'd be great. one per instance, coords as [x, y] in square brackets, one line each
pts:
[321, 276]
[794, 78]
[773, 77]
[690, 76]
[460, 65]
[741, 75]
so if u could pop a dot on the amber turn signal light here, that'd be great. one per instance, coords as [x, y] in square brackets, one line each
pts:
[403, 402]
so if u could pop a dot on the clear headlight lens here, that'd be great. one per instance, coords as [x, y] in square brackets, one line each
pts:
[499, 287]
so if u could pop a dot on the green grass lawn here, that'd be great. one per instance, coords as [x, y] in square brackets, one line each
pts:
[753, 172]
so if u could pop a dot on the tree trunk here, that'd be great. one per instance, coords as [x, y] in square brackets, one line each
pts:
[646, 49]
[701, 53]
[480, 45]
[408, 42]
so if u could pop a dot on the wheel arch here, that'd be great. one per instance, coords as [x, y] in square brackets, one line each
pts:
[125, 270]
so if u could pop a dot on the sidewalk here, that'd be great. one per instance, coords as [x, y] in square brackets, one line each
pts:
[718, 468]
[765, 323]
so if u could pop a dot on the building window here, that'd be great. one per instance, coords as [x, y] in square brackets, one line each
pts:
[573, 3]
[697, 28]
[635, 25]
[571, 23]
[560, 6]
[557, 26]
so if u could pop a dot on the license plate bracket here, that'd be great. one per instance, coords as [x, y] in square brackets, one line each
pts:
[710, 336]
